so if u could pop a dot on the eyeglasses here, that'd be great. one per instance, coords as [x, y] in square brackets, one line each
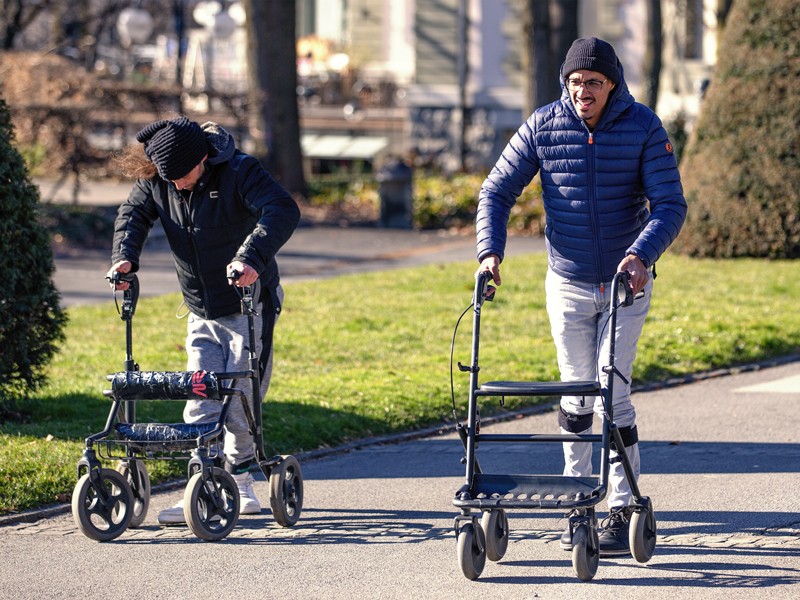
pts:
[593, 85]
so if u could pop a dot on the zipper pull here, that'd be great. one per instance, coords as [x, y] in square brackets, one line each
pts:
[602, 285]
[591, 138]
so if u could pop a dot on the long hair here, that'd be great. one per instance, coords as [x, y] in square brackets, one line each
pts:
[133, 162]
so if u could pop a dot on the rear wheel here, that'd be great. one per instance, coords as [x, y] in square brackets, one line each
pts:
[495, 529]
[642, 536]
[286, 491]
[140, 492]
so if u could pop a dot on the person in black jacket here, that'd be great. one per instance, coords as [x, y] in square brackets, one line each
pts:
[221, 212]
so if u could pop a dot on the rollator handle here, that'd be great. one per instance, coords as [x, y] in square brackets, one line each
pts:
[483, 291]
[625, 296]
[130, 296]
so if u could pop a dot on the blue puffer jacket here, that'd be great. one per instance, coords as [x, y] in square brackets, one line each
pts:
[595, 187]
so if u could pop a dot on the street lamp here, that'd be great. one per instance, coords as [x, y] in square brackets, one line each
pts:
[219, 25]
[134, 26]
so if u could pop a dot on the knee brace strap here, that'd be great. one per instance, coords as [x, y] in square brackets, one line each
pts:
[240, 468]
[630, 436]
[574, 423]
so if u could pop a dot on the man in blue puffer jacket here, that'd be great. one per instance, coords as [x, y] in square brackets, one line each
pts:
[614, 202]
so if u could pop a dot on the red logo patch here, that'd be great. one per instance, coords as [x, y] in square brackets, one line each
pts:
[198, 387]
[669, 147]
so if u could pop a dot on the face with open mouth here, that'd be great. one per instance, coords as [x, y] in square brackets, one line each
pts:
[589, 91]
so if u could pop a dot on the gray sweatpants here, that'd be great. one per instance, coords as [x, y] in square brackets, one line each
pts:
[579, 324]
[222, 345]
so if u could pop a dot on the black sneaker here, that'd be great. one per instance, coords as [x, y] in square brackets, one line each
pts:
[614, 533]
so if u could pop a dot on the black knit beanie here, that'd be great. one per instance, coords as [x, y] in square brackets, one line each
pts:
[175, 146]
[592, 54]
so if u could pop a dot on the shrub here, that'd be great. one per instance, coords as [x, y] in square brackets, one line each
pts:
[31, 320]
[440, 202]
[742, 164]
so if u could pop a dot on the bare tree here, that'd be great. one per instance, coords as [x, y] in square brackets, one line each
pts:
[15, 16]
[272, 74]
[651, 71]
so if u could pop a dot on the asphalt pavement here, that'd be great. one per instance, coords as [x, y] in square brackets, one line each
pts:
[720, 456]
[313, 252]
[720, 460]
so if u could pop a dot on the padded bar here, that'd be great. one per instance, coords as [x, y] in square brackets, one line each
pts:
[163, 432]
[539, 388]
[164, 385]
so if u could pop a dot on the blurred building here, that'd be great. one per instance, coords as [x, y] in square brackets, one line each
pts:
[450, 60]
[437, 82]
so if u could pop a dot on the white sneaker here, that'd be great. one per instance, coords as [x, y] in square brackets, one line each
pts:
[172, 515]
[248, 503]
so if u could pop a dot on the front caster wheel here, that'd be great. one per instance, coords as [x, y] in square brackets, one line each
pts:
[495, 529]
[585, 552]
[471, 550]
[211, 506]
[102, 506]
[642, 536]
[286, 491]
[140, 492]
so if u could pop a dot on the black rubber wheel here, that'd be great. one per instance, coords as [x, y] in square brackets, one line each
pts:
[286, 491]
[211, 507]
[642, 536]
[585, 552]
[102, 514]
[495, 529]
[141, 496]
[471, 550]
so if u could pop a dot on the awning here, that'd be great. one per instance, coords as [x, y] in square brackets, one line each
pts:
[347, 147]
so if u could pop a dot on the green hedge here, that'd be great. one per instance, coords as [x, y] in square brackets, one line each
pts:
[742, 165]
[439, 202]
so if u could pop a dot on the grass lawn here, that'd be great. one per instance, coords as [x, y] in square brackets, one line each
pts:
[368, 354]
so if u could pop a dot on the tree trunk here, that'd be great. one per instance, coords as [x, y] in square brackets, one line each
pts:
[651, 72]
[563, 31]
[272, 76]
[723, 8]
[549, 28]
[536, 53]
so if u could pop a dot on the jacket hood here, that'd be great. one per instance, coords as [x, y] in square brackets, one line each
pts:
[220, 143]
[618, 101]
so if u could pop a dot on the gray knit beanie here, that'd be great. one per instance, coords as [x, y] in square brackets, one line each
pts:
[592, 54]
[175, 146]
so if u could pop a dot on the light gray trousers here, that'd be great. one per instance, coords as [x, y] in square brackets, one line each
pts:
[580, 328]
[222, 345]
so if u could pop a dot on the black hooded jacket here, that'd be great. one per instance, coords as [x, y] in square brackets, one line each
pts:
[235, 212]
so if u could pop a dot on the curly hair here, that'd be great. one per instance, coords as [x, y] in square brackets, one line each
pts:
[133, 162]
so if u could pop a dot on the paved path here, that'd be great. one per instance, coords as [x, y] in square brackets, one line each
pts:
[721, 461]
[311, 253]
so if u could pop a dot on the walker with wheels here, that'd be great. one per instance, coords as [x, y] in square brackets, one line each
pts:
[482, 528]
[106, 501]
